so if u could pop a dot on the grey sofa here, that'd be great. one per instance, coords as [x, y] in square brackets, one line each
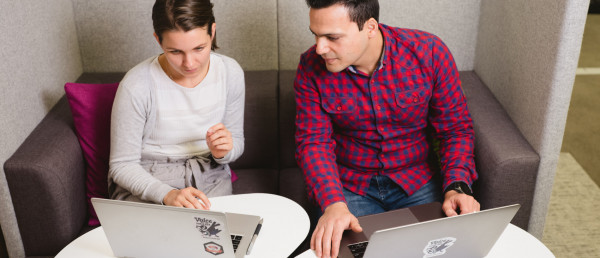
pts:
[46, 174]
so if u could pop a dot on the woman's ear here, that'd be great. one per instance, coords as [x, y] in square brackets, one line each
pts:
[157, 39]
[214, 30]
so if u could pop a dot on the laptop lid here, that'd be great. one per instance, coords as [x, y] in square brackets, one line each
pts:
[468, 235]
[389, 219]
[150, 230]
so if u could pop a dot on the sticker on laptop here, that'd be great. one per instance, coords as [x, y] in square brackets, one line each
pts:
[208, 227]
[438, 246]
[213, 248]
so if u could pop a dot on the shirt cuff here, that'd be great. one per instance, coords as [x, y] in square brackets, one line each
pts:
[226, 159]
[335, 198]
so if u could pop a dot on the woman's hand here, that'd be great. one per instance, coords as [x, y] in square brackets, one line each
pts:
[188, 197]
[219, 141]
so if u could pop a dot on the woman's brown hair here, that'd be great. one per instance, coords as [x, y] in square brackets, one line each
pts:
[183, 15]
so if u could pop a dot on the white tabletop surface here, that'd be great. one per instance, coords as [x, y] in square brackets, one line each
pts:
[514, 242]
[281, 216]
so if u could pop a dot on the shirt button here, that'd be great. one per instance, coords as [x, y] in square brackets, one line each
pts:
[381, 155]
[381, 129]
[339, 108]
[378, 107]
[415, 100]
[372, 81]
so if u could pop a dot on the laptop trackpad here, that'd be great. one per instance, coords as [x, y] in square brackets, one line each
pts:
[389, 219]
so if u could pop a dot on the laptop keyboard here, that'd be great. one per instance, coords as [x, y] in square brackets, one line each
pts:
[358, 249]
[235, 240]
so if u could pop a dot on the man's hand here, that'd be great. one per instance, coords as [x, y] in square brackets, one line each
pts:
[219, 141]
[328, 232]
[454, 200]
[189, 197]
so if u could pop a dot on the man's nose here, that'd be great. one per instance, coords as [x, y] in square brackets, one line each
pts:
[322, 46]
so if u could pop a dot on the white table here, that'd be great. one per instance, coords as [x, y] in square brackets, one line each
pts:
[514, 242]
[281, 216]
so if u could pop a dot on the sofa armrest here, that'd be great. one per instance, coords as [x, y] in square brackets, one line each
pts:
[506, 162]
[46, 179]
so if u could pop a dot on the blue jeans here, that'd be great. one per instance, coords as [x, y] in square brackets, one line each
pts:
[385, 195]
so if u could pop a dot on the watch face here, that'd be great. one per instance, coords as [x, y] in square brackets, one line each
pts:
[459, 189]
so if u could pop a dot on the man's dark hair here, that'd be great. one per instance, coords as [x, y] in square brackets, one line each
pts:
[183, 15]
[360, 11]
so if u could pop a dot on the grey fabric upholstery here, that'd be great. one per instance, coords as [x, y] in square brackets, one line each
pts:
[256, 181]
[506, 163]
[46, 180]
[260, 121]
[46, 174]
[287, 117]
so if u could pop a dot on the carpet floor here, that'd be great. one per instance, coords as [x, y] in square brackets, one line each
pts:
[573, 223]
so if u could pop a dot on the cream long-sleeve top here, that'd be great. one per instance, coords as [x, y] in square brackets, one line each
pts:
[152, 116]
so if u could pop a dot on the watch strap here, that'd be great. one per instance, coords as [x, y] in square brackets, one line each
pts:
[460, 187]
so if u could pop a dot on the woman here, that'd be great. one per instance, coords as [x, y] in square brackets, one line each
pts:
[177, 118]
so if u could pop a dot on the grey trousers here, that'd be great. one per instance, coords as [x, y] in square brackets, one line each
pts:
[202, 173]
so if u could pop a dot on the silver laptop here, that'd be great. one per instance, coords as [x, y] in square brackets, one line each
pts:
[467, 235]
[150, 230]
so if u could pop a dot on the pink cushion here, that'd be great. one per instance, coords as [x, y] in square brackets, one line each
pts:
[91, 105]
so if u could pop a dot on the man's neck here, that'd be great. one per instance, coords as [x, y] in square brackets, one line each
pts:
[372, 55]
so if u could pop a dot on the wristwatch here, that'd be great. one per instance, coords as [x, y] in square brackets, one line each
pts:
[459, 187]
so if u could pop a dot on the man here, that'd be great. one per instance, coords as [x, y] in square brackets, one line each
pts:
[366, 96]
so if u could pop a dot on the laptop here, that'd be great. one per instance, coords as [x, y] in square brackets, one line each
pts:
[150, 230]
[424, 231]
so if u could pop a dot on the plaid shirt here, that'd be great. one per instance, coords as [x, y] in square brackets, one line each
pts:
[351, 126]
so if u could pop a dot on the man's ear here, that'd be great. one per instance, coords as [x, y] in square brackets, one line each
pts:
[372, 27]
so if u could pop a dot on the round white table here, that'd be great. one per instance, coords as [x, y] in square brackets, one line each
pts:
[514, 242]
[281, 216]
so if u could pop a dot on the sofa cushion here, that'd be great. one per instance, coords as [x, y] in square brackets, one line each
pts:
[260, 122]
[287, 118]
[256, 181]
[91, 106]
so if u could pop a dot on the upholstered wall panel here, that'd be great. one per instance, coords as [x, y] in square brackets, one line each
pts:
[39, 54]
[115, 35]
[247, 31]
[527, 55]
[455, 22]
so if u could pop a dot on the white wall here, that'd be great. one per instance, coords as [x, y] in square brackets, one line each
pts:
[39, 54]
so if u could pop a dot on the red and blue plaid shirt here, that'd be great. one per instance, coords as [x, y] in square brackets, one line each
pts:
[351, 126]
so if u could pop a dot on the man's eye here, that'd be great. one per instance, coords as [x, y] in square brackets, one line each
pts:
[199, 48]
[174, 51]
[332, 38]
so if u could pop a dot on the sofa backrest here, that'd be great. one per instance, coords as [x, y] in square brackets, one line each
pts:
[116, 35]
[260, 34]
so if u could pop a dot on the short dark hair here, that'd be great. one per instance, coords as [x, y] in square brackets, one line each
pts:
[360, 11]
[185, 15]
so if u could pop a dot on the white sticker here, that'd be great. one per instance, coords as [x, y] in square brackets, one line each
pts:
[438, 246]
[208, 228]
